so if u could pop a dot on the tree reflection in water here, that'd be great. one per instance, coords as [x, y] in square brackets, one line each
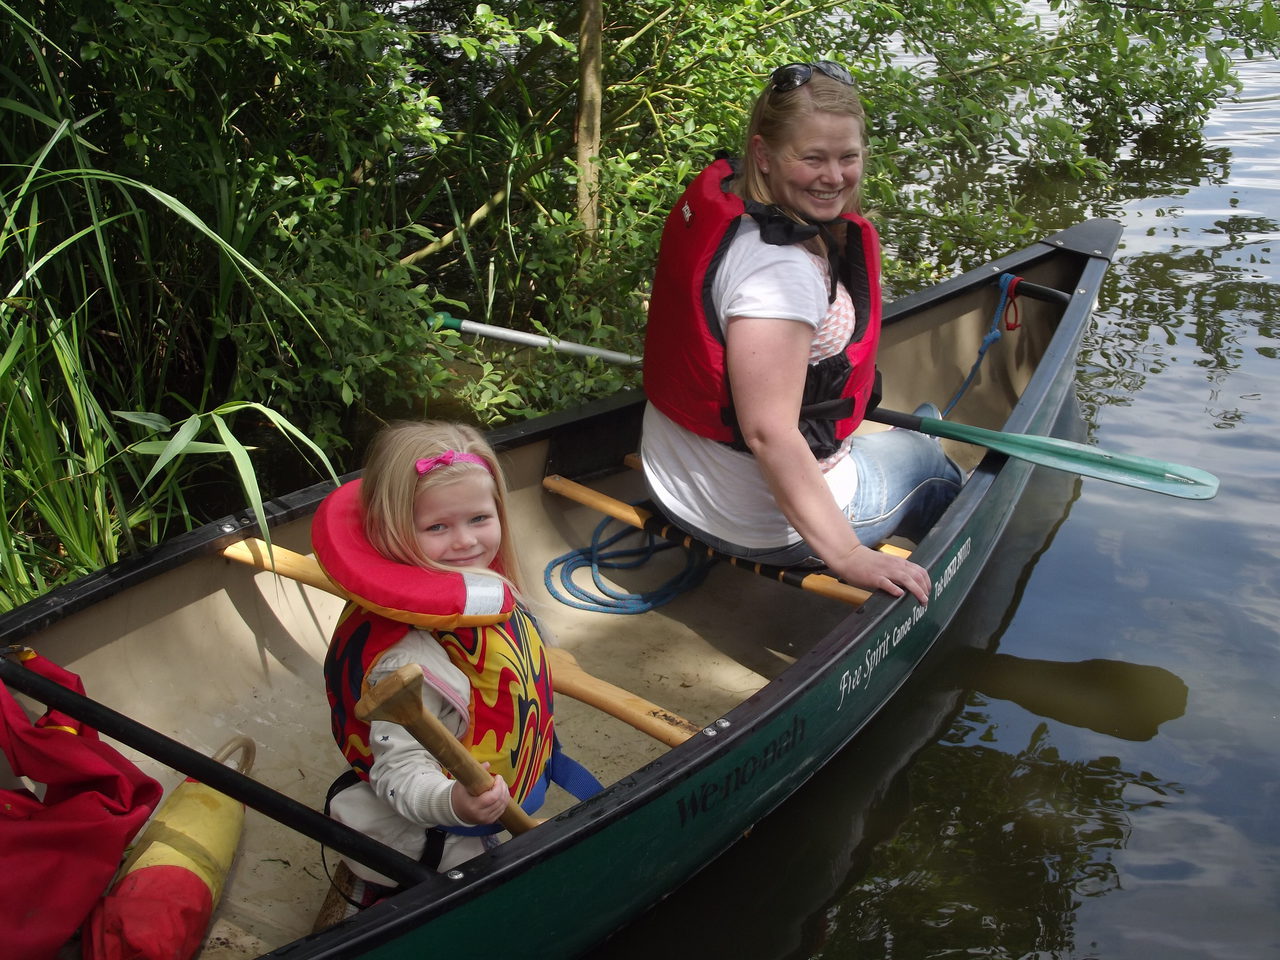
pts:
[1008, 883]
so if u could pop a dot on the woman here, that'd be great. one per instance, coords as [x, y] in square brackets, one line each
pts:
[760, 353]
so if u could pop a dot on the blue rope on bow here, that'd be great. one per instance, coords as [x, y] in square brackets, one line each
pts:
[1007, 282]
[599, 556]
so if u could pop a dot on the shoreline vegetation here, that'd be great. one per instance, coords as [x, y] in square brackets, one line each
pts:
[225, 228]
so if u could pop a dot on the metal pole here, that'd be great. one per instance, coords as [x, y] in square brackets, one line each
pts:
[529, 339]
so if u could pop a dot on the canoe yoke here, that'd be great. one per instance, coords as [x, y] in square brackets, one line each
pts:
[645, 516]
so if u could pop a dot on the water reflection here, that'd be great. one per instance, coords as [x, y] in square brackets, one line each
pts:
[1125, 700]
[1198, 304]
[1008, 881]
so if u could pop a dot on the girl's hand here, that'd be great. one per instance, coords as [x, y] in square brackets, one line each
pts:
[486, 807]
[873, 570]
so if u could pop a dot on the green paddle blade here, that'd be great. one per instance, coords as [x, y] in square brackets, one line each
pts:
[1172, 479]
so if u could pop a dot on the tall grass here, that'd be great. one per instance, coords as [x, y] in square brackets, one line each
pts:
[87, 473]
[157, 162]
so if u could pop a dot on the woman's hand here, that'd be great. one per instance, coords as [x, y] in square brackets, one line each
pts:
[767, 361]
[873, 570]
[486, 807]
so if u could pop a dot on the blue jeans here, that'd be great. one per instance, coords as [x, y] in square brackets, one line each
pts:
[905, 482]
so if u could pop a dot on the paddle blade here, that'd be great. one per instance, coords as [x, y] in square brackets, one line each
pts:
[1171, 479]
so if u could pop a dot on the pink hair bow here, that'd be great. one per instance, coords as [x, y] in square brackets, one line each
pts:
[448, 458]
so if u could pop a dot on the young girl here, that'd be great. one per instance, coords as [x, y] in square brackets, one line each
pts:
[422, 542]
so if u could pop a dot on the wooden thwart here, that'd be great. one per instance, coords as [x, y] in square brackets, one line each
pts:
[570, 679]
[642, 519]
[567, 676]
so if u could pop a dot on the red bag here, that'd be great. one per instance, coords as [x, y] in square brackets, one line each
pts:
[61, 853]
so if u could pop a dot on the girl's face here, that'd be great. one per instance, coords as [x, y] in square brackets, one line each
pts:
[817, 171]
[457, 523]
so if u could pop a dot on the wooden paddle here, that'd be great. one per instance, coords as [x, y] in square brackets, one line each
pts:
[567, 676]
[1172, 479]
[398, 698]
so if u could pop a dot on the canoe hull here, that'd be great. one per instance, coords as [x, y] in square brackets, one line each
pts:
[565, 886]
[646, 835]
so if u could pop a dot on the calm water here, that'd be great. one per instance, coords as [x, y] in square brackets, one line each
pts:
[1121, 808]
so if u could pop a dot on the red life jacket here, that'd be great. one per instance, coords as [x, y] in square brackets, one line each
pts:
[509, 707]
[400, 591]
[684, 365]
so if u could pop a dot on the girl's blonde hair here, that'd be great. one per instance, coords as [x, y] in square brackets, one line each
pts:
[391, 483]
[774, 118]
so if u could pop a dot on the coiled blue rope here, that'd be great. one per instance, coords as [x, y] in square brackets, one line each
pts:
[1007, 280]
[603, 555]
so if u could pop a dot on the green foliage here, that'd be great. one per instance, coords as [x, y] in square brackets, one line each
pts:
[169, 453]
[279, 124]
[208, 205]
[1048, 837]
[63, 511]
[78, 244]
[972, 111]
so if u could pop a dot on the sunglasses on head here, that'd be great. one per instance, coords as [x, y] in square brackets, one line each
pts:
[794, 75]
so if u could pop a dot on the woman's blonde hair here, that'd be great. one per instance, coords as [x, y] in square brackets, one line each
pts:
[774, 118]
[391, 483]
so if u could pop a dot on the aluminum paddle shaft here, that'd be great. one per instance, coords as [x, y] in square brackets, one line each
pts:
[529, 339]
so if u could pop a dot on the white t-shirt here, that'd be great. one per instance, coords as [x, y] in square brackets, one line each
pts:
[707, 484]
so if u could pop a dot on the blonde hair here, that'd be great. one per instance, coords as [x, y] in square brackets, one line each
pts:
[391, 483]
[774, 118]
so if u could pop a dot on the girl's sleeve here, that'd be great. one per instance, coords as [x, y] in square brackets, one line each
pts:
[403, 773]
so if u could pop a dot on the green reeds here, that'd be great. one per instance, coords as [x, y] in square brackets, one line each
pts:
[84, 477]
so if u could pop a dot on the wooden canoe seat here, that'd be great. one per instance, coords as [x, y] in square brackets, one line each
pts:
[645, 517]
[632, 460]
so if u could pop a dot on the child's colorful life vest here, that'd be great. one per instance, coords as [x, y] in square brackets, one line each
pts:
[487, 635]
[510, 707]
[684, 366]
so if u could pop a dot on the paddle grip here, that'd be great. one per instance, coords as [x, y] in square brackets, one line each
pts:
[398, 698]
[894, 418]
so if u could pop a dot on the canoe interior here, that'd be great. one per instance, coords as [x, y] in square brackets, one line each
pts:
[213, 649]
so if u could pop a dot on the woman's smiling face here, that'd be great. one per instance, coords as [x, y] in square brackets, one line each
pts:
[817, 171]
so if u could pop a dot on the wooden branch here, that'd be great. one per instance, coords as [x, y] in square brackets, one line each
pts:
[590, 99]
[436, 246]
